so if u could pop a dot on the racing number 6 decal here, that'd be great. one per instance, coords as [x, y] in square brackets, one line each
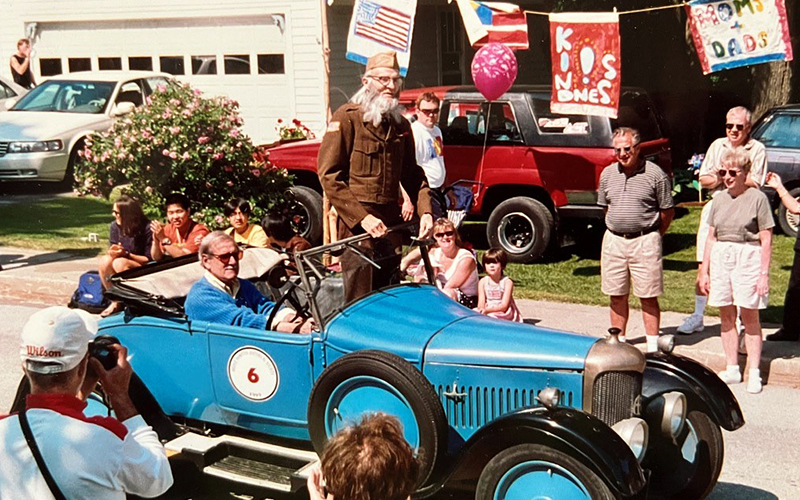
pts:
[253, 373]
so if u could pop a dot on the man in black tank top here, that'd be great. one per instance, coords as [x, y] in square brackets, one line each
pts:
[21, 65]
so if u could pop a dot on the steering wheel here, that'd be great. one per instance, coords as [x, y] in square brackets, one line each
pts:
[97, 103]
[278, 279]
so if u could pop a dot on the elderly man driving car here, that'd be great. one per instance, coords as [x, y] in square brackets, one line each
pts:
[221, 297]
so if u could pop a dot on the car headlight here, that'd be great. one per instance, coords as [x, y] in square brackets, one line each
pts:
[669, 412]
[633, 431]
[35, 146]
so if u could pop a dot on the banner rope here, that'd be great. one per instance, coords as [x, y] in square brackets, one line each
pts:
[621, 13]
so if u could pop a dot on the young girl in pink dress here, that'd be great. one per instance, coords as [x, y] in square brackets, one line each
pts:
[495, 290]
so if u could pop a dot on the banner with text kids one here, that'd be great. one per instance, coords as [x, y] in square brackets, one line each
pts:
[379, 26]
[735, 33]
[585, 50]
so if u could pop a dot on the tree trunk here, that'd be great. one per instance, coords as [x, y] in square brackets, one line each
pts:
[771, 86]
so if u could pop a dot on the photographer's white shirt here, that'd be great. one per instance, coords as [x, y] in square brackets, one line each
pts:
[89, 457]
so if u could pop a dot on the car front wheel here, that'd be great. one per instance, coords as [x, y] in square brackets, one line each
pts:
[522, 227]
[687, 468]
[786, 219]
[531, 471]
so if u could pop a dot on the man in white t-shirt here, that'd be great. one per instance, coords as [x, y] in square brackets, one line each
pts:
[429, 148]
[737, 133]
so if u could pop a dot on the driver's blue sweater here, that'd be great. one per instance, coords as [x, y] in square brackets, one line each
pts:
[250, 309]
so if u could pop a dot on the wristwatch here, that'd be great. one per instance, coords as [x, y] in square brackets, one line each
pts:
[166, 242]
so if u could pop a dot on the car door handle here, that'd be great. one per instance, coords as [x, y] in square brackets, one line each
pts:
[455, 395]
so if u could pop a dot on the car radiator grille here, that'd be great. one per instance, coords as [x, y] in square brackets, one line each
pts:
[480, 405]
[616, 396]
[3, 148]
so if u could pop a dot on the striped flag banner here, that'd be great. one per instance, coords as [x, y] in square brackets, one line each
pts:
[494, 22]
[381, 25]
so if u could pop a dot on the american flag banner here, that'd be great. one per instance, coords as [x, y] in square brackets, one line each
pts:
[494, 22]
[381, 25]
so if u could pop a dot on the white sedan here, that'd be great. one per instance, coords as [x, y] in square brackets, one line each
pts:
[10, 92]
[40, 136]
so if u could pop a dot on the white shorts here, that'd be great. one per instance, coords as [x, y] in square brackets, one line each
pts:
[638, 259]
[702, 231]
[735, 269]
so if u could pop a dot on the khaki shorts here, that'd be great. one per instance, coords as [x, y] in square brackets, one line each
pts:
[637, 258]
[702, 231]
[735, 269]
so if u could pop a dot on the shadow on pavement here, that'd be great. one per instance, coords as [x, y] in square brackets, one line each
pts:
[730, 491]
[14, 261]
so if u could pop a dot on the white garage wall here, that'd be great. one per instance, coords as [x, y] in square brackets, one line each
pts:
[83, 28]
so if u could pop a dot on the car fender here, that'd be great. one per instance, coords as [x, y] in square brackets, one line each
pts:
[703, 389]
[578, 434]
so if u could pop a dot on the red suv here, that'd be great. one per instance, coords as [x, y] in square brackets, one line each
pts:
[533, 173]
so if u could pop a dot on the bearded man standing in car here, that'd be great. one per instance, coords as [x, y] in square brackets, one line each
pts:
[367, 153]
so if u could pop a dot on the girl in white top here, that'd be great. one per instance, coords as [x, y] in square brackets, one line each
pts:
[495, 290]
[456, 268]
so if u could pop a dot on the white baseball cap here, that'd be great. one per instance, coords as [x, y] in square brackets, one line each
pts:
[56, 339]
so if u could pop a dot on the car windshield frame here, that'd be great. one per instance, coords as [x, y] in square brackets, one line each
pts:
[68, 97]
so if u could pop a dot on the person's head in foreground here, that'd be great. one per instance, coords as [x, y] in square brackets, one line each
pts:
[220, 255]
[735, 167]
[380, 87]
[445, 234]
[367, 461]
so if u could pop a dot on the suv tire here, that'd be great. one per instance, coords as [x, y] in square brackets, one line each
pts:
[787, 220]
[522, 227]
[308, 213]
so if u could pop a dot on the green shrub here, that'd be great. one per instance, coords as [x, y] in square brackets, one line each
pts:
[183, 142]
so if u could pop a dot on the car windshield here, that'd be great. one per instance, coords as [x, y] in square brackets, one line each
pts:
[68, 97]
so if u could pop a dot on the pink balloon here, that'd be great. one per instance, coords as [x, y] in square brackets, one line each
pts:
[494, 69]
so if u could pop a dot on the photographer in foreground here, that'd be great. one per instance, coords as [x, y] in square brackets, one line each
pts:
[78, 456]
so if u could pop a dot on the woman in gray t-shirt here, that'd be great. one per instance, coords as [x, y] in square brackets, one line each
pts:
[735, 269]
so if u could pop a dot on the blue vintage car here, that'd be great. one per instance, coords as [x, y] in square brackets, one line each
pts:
[495, 409]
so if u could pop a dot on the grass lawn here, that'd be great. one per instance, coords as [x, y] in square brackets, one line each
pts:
[58, 223]
[571, 275]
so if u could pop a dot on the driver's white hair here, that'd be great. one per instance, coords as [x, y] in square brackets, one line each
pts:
[210, 240]
[375, 105]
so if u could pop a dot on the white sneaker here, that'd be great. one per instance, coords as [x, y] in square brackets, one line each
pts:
[691, 324]
[754, 385]
[730, 377]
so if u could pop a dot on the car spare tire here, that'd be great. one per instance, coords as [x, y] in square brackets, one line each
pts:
[370, 381]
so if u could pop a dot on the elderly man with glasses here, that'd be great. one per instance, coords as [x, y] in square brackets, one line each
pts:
[636, 196]
[366, 155]
[737, 134]
[221, 297]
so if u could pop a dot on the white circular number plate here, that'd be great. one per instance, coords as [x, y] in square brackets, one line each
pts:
[253, 373]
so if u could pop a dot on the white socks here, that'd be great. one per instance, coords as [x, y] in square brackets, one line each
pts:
[652, 343]
[700, 305]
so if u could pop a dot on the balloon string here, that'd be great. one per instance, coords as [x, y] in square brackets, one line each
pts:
[635, 11]
[483, 152]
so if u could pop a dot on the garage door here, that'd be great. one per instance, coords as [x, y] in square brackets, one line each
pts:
[244, 58]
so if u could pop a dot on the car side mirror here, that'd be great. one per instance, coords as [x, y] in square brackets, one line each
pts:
[122, 108]
[10, 103]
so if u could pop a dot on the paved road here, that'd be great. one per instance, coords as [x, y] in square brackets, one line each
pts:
[762, 460]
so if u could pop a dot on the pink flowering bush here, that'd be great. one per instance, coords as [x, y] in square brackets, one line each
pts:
[294, 131]
[181, 141]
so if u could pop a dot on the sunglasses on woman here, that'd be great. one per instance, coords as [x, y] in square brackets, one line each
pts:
[443, 234]
[732, 173]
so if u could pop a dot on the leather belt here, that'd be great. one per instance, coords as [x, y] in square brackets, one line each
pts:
[630, 236]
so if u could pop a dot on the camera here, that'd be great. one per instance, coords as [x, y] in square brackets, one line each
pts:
[100, 349]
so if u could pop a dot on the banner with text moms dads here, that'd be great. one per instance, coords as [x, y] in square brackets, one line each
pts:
[730, 34]
[585, 50]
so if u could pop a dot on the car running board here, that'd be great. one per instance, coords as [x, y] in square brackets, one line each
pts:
[245, 461]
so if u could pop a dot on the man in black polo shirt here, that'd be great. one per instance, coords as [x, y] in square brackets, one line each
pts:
[636, 196]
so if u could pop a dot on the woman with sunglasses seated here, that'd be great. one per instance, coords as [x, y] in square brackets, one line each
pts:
[735, 269]
[455, 267]
[130, 239]
[221, 297]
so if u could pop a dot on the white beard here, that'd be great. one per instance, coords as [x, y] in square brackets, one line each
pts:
[376, 106]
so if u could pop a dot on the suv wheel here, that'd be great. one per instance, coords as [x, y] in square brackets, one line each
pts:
[307, 213]
[522, 227]
[786, 219]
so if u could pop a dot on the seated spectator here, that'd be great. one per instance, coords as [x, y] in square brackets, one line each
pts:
[238, 212]
[367, 461]
[282, 236]
[454, 266]
[181, 235]
[130, 240]
[88, 457]
[496, 291]
[221, 297]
